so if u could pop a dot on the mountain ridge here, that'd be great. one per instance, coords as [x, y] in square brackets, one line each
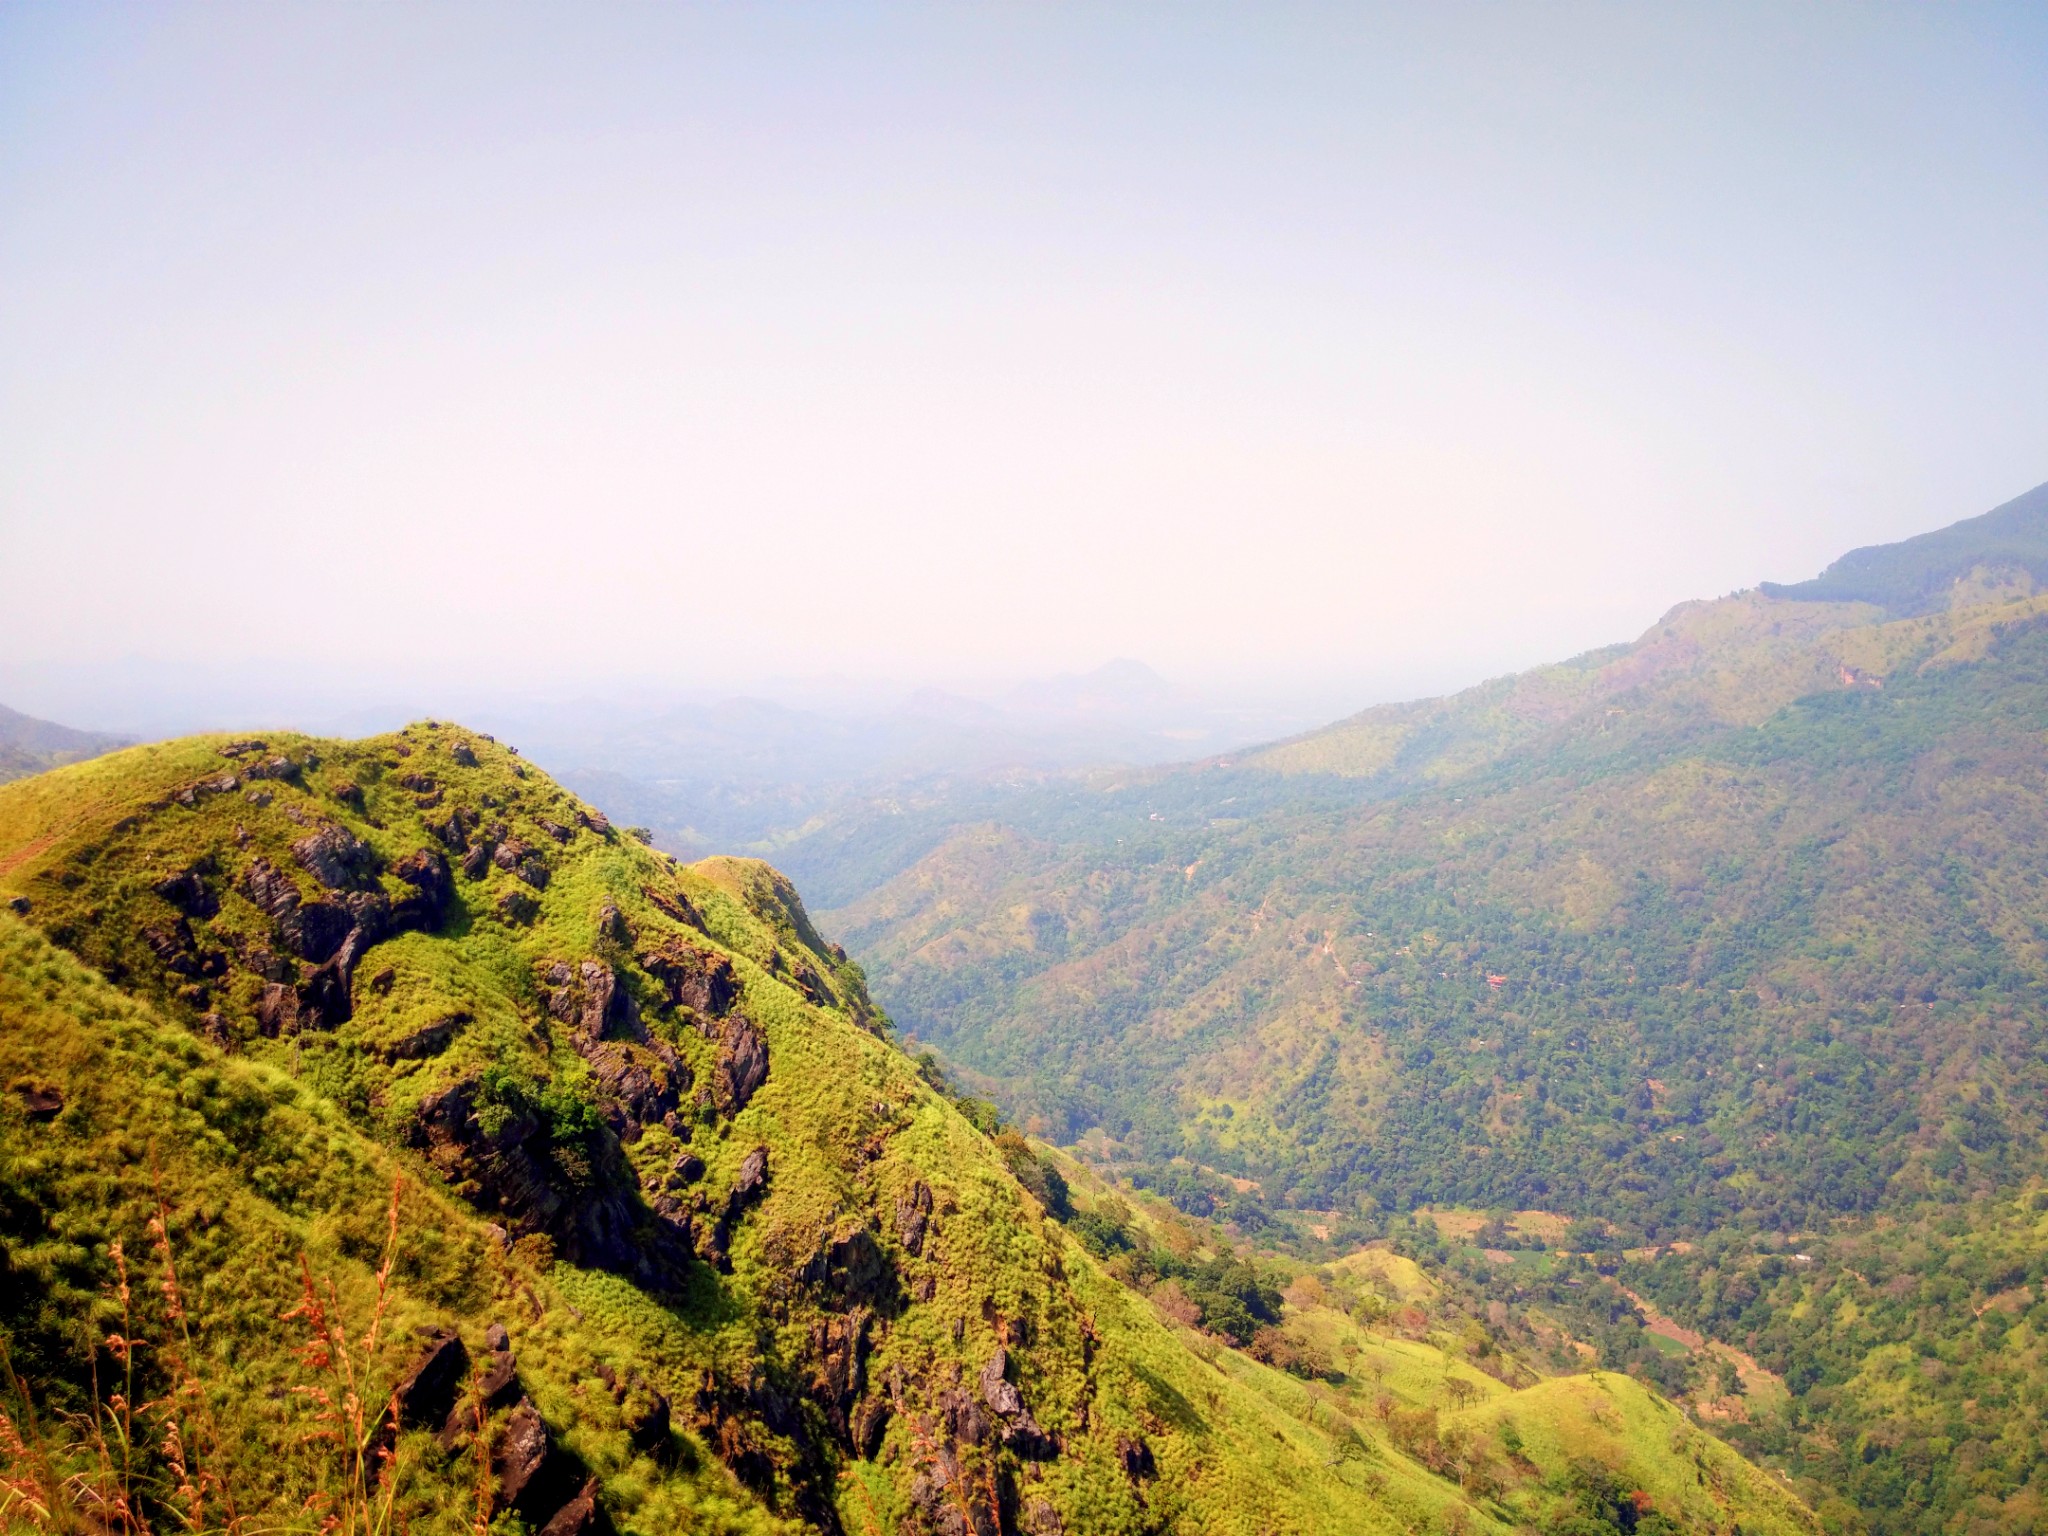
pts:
[1912, 576]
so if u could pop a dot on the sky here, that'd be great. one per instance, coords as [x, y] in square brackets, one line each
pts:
[1354, 350]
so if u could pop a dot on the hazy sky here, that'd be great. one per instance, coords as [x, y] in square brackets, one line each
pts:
[506, 345]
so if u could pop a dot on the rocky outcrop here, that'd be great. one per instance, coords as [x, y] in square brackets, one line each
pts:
[747, 1187]
[742, 1064]
[428, 1039]
[763, 1432]
[913, 1217]
[952, 1502]
[272, 891]
[433, 890]
[849, 1269]
[336, 857]
[674, 904]
[513, 1170]
[1015, 1426]
[332, 934]
[579, 1516]
[700, 980]
[178, 951]
[642, 1079]
[453, 830]
[587, 997]
[870, 1421]
[838, 1347]
[188, 891]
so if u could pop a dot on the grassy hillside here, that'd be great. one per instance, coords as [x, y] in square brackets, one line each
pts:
[1735, 932]
[387, 1138]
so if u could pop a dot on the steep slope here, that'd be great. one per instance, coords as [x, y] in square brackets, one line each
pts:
[29, 745]
[1734, 932]
[617, 1207]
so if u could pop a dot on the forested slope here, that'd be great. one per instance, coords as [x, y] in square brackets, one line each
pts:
[1735, 933]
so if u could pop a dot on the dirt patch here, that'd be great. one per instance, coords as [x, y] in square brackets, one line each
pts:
[1755, 1379]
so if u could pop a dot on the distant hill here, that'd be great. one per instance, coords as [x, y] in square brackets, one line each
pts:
[29, 745]
[1918, 575]
[1730, 943]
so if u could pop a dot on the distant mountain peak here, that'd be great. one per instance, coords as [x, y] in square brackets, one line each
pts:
[1916, 575]
[1122, 684]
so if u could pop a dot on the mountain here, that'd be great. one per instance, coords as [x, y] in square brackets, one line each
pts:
[390, 1142]
[29, 745]
[1919, 575]
[1724, 946]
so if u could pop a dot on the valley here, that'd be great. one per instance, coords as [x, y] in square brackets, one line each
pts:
[1724, 945]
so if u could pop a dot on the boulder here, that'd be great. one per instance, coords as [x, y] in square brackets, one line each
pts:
[996, 1389]
[518, 907]
[429, 1391]
[41, 1102]
[519, 1462]
[1014, 1423]
[428, 1039]
[578, 1517]
[753, 1175]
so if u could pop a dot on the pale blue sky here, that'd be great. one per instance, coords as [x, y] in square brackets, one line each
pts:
[1371, 346]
